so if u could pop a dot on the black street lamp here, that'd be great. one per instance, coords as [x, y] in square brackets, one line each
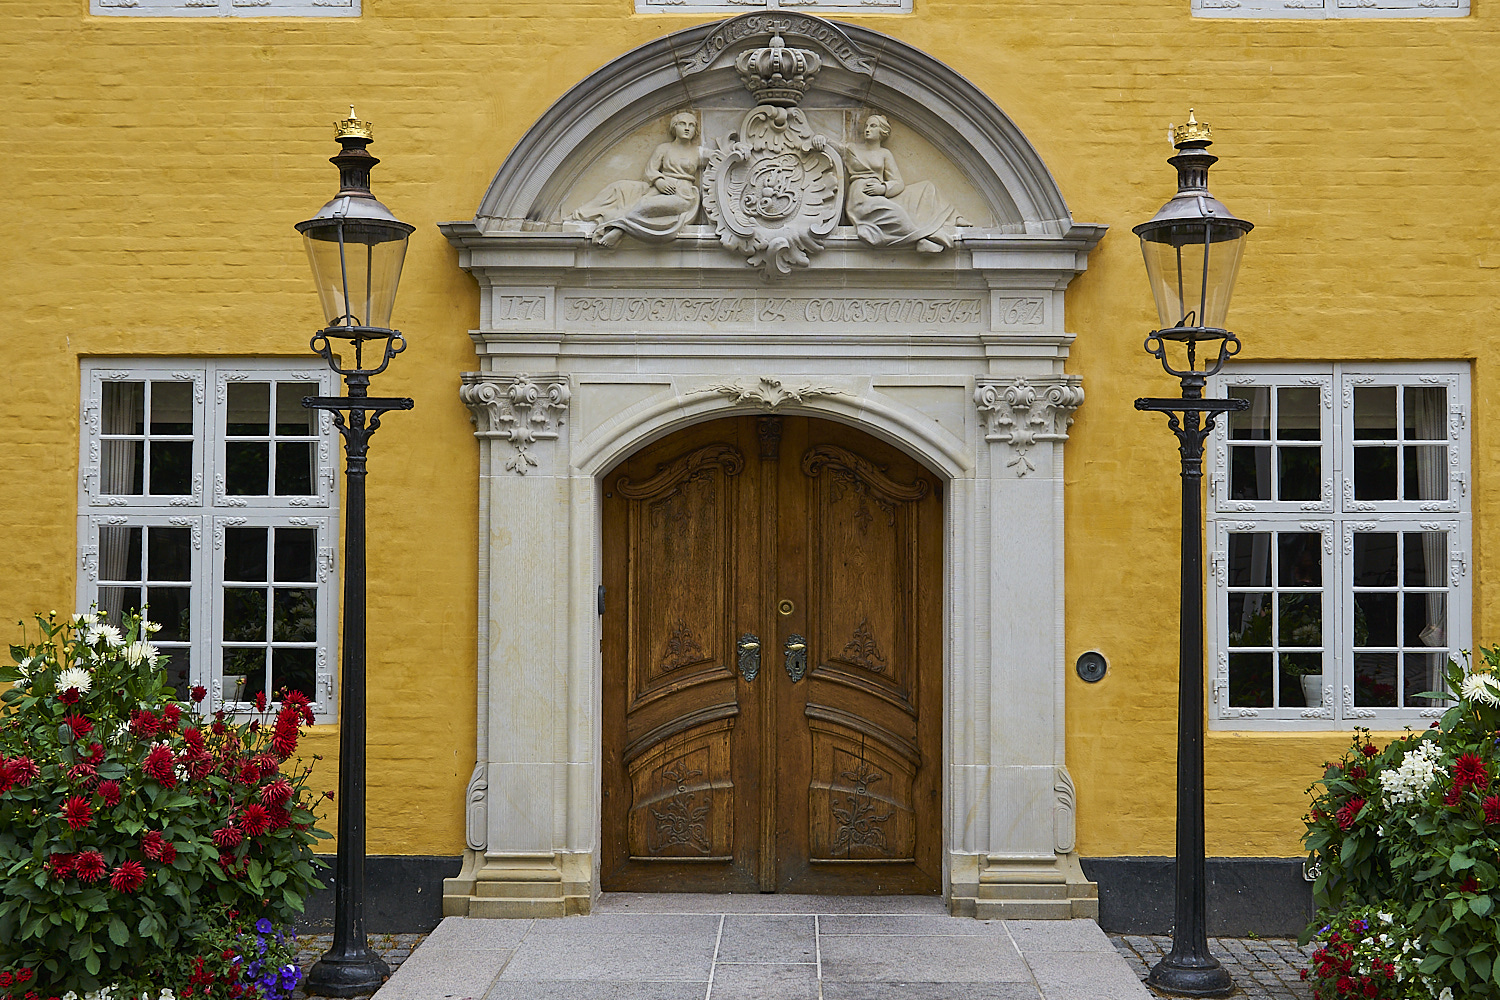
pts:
[1193, 248]
[356, 247]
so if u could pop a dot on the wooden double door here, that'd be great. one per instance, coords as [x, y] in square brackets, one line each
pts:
[772, 649]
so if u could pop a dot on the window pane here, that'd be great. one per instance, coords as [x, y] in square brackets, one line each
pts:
[1301, 679]
[119, 552]
[294, 468]
[1250, 680]
[249, 410]
[1249, 619]
[171, 468]
[1297, 414]
[1301, 620]
[1301, 559]
[1426, 558]
[1375, 412]
[1424, 672]
[1249, 473]
[245, 554]
[1374, 473]
[292, 418]
[1374, 619]
[296, 616]
[117, 602]
[1375, 680]
[170, 554]
[1250, 559]
[247, 468]
[1301, 474]
[177, 662]
[171, 608]
[123, 408]
[122, 468]
[244, 673]
[1253, 424]
[1374, 558]
[1426, 471]
[172, 407]
[244, 615]
[296, 555]
[1425, 621]
[1426, 417]
[294, 668]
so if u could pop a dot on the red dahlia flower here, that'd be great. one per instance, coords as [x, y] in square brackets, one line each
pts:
[170, 715]
[1470, 884]
[6, 778]
[95, 754]
[79, 724]
[226, 837]
[152, 844]
[144, 724]
[83, 773]
[168, 853]
[69, 697]
[198, 693]
[88, 866]
[1346, 815]
[255, 819]
[249, 774]
[299, 701]
[158, 765]
[129, 877]
[77, 812]
[268, 764]
[110, 792]
[193, 737]
[23, 771]
[280, 818]
[276, 793]
[1356, 772]
[1369, 750]
[1469, 770]
[1492, 809]
[1454, 794]
[61, 865]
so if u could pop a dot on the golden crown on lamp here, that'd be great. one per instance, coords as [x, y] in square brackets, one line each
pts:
[353, 128]
[1193, 131]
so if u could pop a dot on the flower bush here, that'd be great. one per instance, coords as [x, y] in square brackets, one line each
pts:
[1367, 953]
[136, 834]
[1413, 829]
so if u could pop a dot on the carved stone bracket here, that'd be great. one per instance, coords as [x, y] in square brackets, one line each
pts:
[521, 409]
[476, 821]
[767, 392]
[1023, 411]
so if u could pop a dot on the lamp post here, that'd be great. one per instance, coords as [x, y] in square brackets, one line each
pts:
[356, 247]
[1192, 247]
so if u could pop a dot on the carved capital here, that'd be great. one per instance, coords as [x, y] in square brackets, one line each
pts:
[518, 408]
[1024, 411]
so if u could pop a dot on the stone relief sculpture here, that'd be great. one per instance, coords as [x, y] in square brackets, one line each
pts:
[886, 211]
[774, 189]
[656, 209]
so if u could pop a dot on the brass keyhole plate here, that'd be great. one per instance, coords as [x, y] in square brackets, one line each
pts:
[785, 608]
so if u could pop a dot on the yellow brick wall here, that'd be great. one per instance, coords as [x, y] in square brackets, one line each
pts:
[152, 170]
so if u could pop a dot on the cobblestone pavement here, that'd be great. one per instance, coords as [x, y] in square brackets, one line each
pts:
[394, 948]
[1262, 968]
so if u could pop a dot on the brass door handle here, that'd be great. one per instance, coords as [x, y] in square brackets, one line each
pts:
[749, 648]
[795, 651]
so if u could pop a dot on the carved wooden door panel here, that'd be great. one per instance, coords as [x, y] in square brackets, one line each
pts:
[772, 663]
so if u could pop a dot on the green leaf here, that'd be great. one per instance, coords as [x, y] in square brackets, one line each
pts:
[1459, 970]
[1481, 964]
[147, 926]
[1480, 906]
[91, 963]
[118, 932]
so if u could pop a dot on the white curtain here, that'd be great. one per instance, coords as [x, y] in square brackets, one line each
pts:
[123, 410]
[1429, 423]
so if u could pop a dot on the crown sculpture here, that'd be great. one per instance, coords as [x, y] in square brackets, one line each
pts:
[777, 75]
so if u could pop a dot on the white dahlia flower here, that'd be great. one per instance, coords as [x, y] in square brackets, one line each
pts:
[1482, 687]
[139, 651]
[106, 633]
[76, 678]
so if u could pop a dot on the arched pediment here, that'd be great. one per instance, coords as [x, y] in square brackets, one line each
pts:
[943, 133]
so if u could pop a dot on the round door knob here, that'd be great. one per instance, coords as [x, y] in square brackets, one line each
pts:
[785, 607]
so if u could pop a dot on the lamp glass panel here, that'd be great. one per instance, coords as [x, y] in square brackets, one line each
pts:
[357, 278]
[1177, 259]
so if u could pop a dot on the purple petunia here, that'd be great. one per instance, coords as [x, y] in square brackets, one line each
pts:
[263, 926]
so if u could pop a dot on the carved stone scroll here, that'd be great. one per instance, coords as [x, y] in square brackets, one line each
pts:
[768, 392]
[521, 409]
[1023, 411]
[476, 818]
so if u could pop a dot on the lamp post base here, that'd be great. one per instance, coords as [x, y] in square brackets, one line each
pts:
[349, 975]
[1204, 977]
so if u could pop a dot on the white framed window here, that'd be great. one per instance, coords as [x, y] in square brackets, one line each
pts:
[1338, 532]
[207, 497]
[1324, 9]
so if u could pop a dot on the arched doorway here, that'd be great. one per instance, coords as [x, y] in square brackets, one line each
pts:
[772, 660]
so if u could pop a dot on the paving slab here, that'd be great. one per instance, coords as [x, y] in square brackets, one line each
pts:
[767, 947]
